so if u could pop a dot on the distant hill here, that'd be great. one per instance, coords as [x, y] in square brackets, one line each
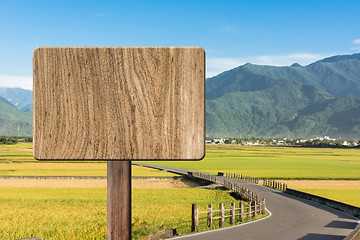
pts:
[294, 101]
[319, 99]
[338, 75]
[13, 121]
[19, 97]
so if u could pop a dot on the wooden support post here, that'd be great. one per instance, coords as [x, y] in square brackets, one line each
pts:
[221, 215]
[194, 218]
[241, 214]
[119, 200]
[232, 213]
[209, 219]
[74, 89]
[249, 216]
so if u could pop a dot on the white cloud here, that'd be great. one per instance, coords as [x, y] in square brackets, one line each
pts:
[230, 29]
[214, 66]
[356, 41]
[16, 81]
[219, 65]
[285, 60]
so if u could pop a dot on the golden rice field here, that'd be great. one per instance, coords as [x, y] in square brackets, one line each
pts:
[80, 213]
[72, 209]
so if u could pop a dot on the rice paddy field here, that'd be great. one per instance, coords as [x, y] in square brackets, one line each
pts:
[80, 213]
[278, 162]
[74, 211]
[258, 161]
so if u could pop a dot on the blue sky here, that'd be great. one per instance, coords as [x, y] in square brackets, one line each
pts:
[231, 32]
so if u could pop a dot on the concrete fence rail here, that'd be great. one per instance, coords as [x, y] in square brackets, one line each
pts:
[355, 211]
[354, 235]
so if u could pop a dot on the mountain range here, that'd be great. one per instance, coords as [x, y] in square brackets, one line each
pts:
[322, 98]
[13, 121]
[293, 101]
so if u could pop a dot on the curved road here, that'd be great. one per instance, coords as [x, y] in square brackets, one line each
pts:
[292, 217]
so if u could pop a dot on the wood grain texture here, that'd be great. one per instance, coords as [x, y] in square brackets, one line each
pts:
[133, 103]
[119, 200]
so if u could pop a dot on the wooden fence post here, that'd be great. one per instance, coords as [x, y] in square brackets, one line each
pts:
[210, 220]
[194, 218]
[241, 214]
[249, 216]
[232, 213]
[255, 209]
[222, 215]
[263, 206]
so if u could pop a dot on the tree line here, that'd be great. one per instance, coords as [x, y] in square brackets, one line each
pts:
[14, 139]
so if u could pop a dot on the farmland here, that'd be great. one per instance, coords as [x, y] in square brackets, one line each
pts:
[278, 162]
[259, 161]
[77, 210]
[80, 213]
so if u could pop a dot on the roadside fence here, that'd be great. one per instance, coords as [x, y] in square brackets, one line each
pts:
[267, 183]
[275, 184]
[242, 213]
[254, 207]
[204, 176]
[242, 191]
[242, 177]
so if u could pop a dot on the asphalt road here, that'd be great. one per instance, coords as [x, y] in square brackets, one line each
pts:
[291, 217]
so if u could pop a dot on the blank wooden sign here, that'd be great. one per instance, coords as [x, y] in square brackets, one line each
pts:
[117, 103]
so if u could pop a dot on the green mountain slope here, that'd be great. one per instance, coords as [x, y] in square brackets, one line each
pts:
[254, 100]
[21, 98]
[13, 121]
[338, 75]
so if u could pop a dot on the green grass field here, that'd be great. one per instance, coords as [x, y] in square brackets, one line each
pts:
[277, 162]
[257, 161]
[65, 213]
[81, 213]
[349, 196]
